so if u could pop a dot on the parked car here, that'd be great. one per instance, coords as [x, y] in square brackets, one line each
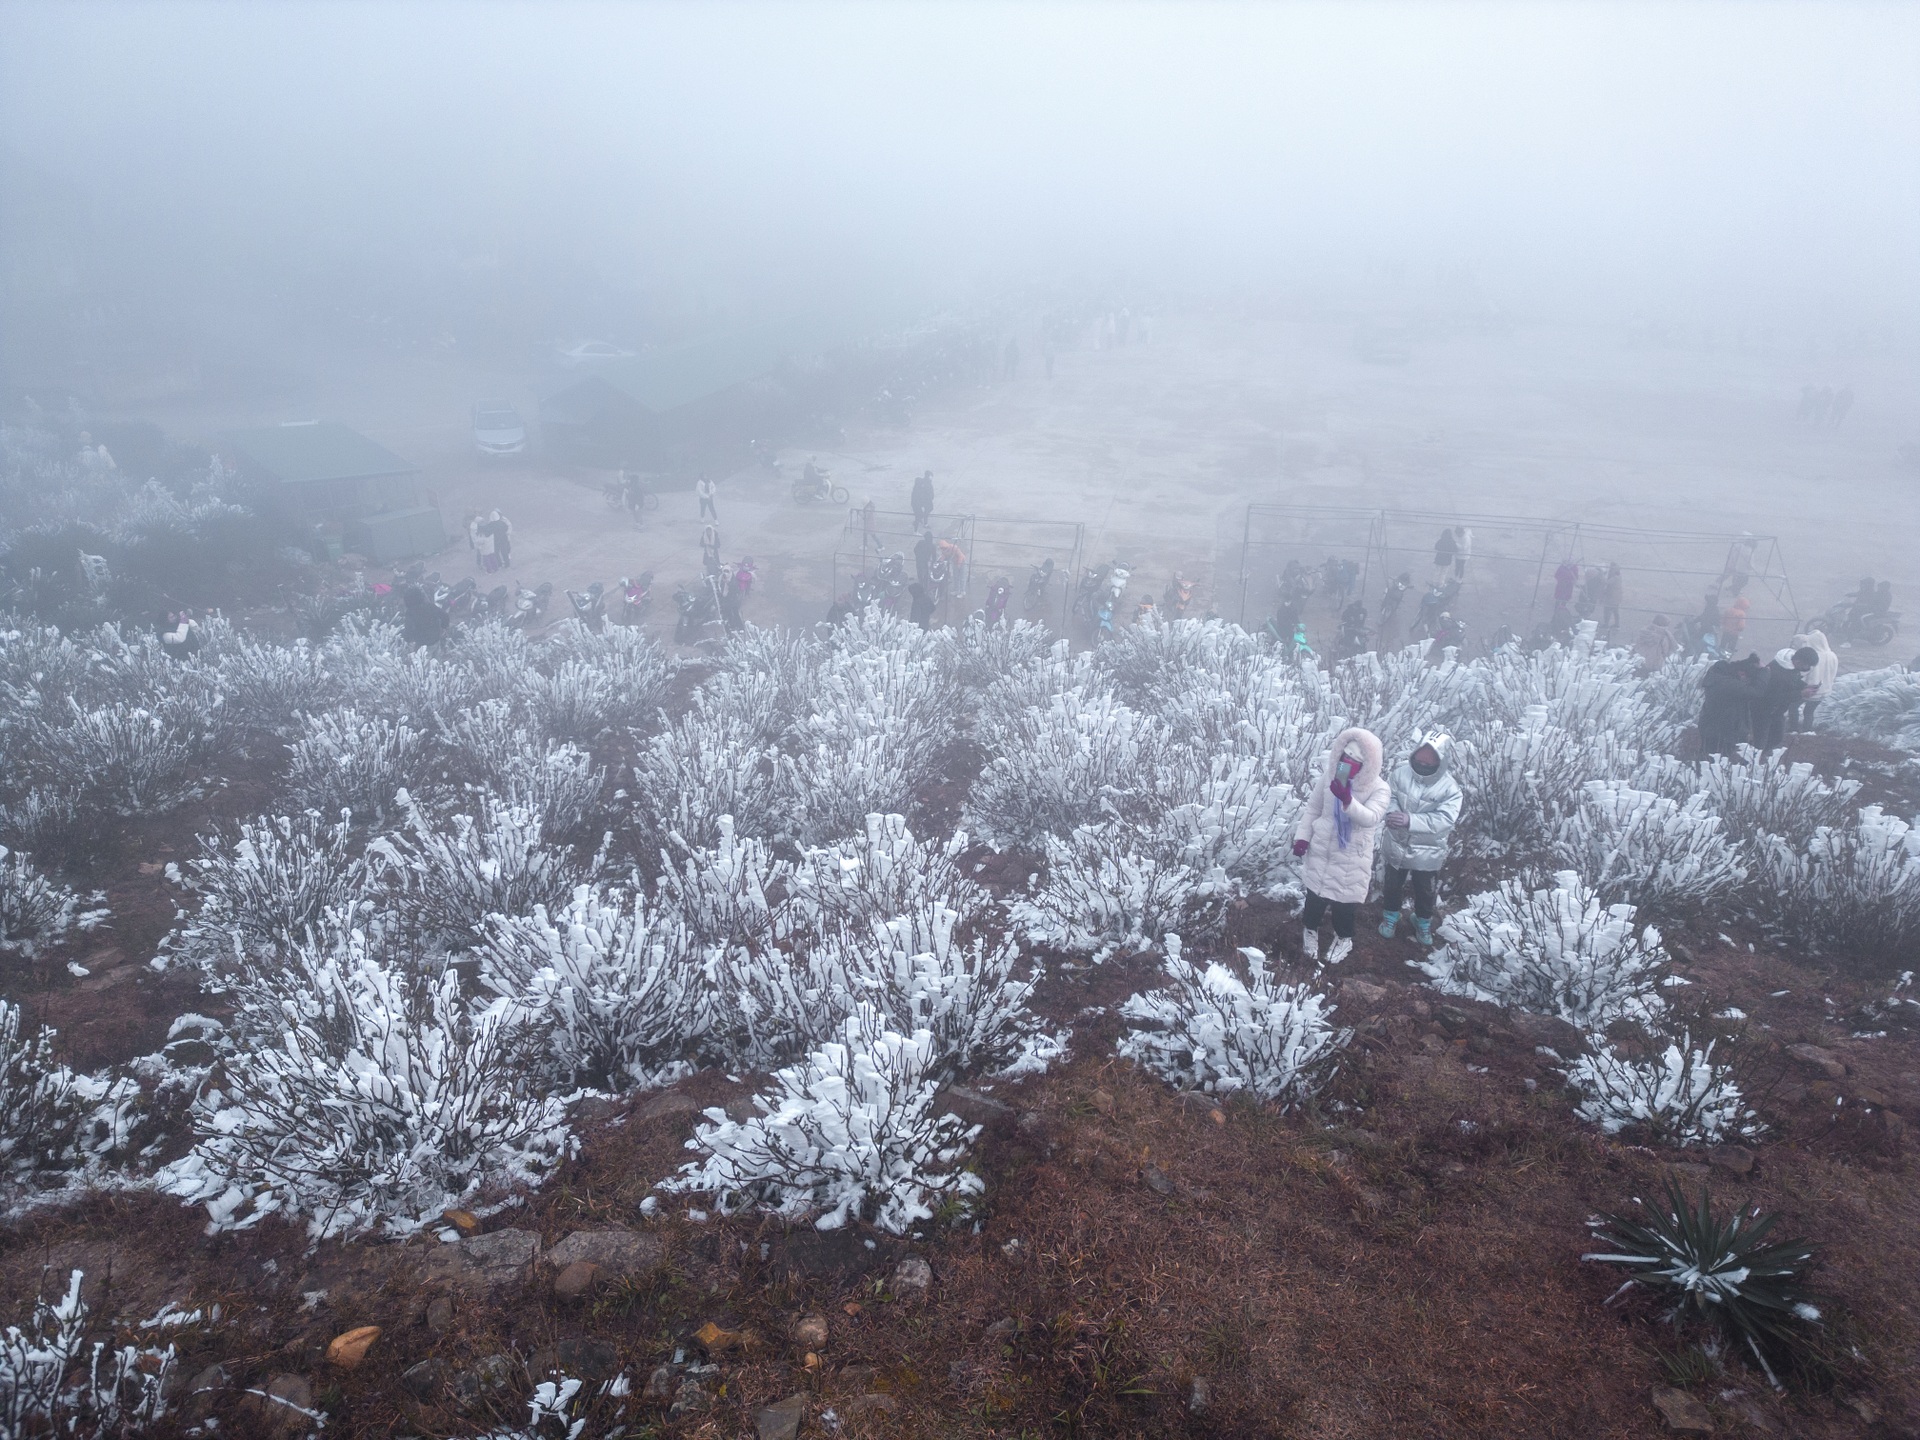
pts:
[498, 430]
[587, 353]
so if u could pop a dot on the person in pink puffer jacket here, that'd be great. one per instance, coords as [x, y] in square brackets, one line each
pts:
[1335, 837]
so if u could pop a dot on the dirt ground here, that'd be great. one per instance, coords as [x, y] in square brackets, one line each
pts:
[1158, 449]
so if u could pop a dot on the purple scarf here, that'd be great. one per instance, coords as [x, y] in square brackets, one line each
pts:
[1342, 825]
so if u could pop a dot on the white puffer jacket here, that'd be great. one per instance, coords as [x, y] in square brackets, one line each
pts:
[1432, 806]
[1327, 869]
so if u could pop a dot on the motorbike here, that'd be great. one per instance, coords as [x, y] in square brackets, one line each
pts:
[1845, 624]
[1145, 612]
[587, 606]
[635, 597]
[1178, 598]
[817, 484]
[492, 605]
[1039, 582]
[631, 493]
[1354, 634]
[1397, 589]
[698, 609]
[998, 594]
[530, 605]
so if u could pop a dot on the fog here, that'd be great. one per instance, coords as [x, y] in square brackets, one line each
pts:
[1740, 161]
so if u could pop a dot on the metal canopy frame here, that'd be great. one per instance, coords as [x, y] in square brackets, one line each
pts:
[994, 545]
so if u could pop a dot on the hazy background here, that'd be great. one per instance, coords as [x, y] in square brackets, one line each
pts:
[514, 169]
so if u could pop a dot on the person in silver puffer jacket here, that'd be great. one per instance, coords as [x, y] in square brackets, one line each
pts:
[1413, 841]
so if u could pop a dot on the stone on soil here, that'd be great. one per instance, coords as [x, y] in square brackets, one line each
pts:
[781, 1420]
[618, 1252]
[1681, 1411]
[912, 1277]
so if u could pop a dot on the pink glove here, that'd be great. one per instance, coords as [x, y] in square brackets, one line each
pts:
[1299, 847]
[1342, 791]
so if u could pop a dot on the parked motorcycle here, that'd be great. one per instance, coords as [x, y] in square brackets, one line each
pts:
[699, 609]
[998, 594]
[530, 606]
[588, 606]
[635, 597]
[1038, 583]
[1178, 597]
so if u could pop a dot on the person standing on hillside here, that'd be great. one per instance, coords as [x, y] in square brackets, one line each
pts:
[501, 529]
[706, 491]
[923, 500]
[1613, 592]
[1728, 692]
[1784, 686]
[1335, 840]
[1820, 681]
[1462, 551]
[1413, 842]
[1733, 625]
[1445, 552]
[1656, 643]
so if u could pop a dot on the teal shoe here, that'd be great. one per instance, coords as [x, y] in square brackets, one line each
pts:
[1423, 930]
[1389, 922]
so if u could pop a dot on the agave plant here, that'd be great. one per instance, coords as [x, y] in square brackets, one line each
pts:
[1721, 1270]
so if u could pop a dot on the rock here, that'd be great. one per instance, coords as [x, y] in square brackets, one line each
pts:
[484, 1262]
[1103, 1102]
[690, 1398]
[617, 1252]
[1157, 1180]
[576, 1281]
[659, 1384]
[1548, 1030]
[1734, 1159]
[283, 1407]
[202, 1390]
[810, 1332]
[1814, 1058]
[1863, 1407]
[1691, 1176]
[912, 1278]
[1001, 1329]
[668, 1106]
[490, 1373]
[589, 1359]
[1363, 992]
[1681, 1411]
[781, 1420]
[347, 1350]
[1200, 1396]
[423, 1381]
[1219, 1117]
[970, 1105]
[871, 1403]
[440, 1315]
[594, 1109]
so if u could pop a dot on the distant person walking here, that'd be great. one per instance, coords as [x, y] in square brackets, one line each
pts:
[1612, 592]
[923, 500]
[710, 549]
[1462, 552]
[1335, 838]
[869, 527]
[1784, 687]
[501, 529]
[1820, 681]
[923, 558]
[1656, 643]
[1733, 625]
[1739, 567]
[705, 490]
[1413, 843]
[1445, 551]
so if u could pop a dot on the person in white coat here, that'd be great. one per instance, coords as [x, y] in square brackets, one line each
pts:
[1335, 838]
[1426, 807]
[1820, 682]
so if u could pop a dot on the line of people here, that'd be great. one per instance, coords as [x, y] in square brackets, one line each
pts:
[1745, 702]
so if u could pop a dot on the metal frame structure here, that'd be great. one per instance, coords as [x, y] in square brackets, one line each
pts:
[992, 545]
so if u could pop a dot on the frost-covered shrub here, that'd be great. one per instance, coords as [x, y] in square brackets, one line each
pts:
[1554, 950]
[1878, 705]
[1523, 779]
[1083, 757]
[599, 683]
[40, 1106]
[450, 876]
[487, 747]
[273, 885]
[830, 786]
[54, 1381]
[969, 998]
[44, 816]
[621, 992]
[1104, 890]
[1149, 662]
[36, 912]
[1400, 696]
[850, 1132]
[1211, 1030]
[1648, 851]
[883, 874]
[1001, 707]
[124, 757]
[365, 1095]
[346, 760]
[1231, 823]
[1853, 892]
[976, 654]
[1672, 693]
[703, 766]
[1682, 1096]
[269, 686]
[1581, 687]
[1754, 795]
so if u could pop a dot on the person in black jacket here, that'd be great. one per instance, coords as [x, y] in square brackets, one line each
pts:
[1726, 710]
[922, 612]
[1784, 686]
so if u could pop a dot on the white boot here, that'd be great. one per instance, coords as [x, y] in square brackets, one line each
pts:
[1310, 944]
[1339, 950]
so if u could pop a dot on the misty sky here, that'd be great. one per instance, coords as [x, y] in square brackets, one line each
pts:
[1747, 156]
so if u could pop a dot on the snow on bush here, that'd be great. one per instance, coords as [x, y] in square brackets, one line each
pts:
[268, 686]
[1000, 709]
[54, 1381]
[1553, 949]
[1853, 892]
[1653, 853]
[1230, 822]
[917, 976]
[830, 785]
[365, 1095]
[1104, 890]
[1523, 779]
[1581, 687]
[37, 913]
[123, 757]
[1084, 756]
[1400, 696]
[882, 874]
[488, 747]
[1682, 1096]
[1878, 705]
[40, 1107]
[266, 891]
[621, 993]
[1754, 795]
[851, 1132]
[976, 654]
[600, 683]
[450, 875]
[347, 760]
[1150, 662]
[701, 767]
[1210, 1030]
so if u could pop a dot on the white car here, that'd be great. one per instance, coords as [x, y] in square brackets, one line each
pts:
[498, 429]
[588, 352]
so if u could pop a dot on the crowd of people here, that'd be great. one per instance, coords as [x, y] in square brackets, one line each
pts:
[1747, 702]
